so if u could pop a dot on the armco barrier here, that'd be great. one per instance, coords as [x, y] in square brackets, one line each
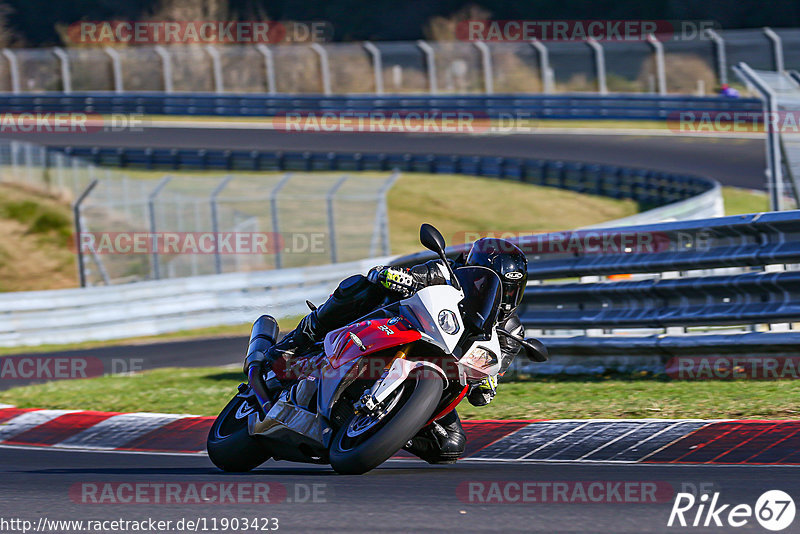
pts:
[573, 106]
[701, 273]
[149, 308]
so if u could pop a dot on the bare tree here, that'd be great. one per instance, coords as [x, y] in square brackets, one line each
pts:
[444, 28]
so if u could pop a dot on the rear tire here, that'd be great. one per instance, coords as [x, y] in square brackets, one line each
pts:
[401, 424]
[230, 446]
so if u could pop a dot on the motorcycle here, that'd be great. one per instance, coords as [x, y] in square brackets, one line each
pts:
[357, 398]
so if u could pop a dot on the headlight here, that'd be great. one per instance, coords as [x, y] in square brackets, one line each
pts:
[479, 358]
[448, 322]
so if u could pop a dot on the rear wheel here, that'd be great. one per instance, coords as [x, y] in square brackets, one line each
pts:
[364, 442]
[230, 446]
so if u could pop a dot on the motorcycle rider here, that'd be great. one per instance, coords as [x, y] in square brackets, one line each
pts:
[444, 440]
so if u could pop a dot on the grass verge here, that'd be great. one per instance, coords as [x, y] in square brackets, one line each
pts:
[739, 201]
[204, 391]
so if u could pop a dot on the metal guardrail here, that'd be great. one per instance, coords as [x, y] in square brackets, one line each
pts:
[155, 307]
[571, 106]
[691, 274]
[722, 353]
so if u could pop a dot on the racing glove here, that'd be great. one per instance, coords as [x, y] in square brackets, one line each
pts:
[394, 279]
[482, 393]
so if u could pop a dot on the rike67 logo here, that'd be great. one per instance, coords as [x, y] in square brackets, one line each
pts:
[774, 510]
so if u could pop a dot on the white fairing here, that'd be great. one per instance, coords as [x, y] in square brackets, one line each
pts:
[427, 303]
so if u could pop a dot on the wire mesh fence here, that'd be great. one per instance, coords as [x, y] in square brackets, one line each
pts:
[690, 66]
[144, 226]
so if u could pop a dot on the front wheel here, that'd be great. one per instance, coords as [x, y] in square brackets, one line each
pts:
[230, 446]
[366, 441]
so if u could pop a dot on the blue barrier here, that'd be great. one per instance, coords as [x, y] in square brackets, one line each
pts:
[573, 106]
[747, 242]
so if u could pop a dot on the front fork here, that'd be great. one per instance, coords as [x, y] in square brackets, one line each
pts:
[394, 374]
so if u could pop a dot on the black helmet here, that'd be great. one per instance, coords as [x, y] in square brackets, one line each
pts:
[510, 264]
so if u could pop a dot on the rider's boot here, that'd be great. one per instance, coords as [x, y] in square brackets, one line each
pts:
[441, 442]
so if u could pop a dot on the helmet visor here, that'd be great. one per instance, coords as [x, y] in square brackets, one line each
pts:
[512, 293]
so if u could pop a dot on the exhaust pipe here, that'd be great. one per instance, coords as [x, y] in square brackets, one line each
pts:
[263, 335]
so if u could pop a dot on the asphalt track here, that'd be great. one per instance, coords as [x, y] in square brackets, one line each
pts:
[732, 161]
[141, 357]
[402, 495]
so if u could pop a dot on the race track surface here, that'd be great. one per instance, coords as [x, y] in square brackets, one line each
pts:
[184, 353]
[403, 495]
[736, 162]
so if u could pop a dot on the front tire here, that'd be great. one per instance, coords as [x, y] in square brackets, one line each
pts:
[351, 456]
[230, 446]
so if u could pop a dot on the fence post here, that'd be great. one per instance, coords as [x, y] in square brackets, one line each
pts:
[324, 67]
[719, 54]
[215, 222]
[599, 65]
[331, 219]
[116, 67]
[777, 48]
[273, 203]
[66, 80]
[430, 65]
[381, 228]
[216, 67]
[269, 67]
[151, 199]
[377, 65]
[661, 73]
[13, 70]
[166, 67]
[76, 213]
[486, 63]
[544, 65]
[772, 137]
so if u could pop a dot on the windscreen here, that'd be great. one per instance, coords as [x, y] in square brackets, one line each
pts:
[482, 290]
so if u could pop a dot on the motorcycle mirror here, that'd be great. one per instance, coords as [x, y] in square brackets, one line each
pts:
[431, 239]
[535, 350]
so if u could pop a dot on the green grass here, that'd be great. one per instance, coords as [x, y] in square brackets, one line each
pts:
[739, 201]
[204, 391]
